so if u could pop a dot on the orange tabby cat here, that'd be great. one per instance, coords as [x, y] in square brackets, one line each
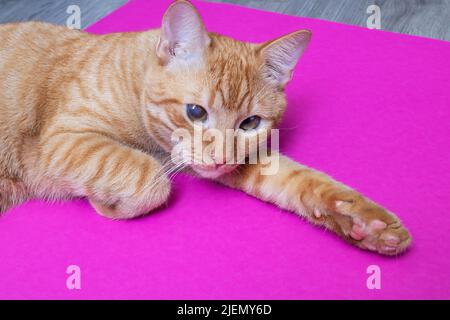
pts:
[93, 116]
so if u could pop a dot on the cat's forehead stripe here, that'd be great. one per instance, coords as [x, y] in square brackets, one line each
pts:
[231, 66]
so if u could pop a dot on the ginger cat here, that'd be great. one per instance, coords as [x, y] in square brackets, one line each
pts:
[92, 116]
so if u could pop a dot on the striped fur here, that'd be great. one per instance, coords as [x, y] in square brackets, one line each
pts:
[92, 116]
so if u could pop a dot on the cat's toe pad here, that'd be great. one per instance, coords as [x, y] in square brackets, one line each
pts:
[378, 236]
[369, 231]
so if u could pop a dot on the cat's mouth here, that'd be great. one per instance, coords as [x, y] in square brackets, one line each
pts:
[214, 170]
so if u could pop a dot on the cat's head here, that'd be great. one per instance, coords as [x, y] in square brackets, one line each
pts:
[214, 82]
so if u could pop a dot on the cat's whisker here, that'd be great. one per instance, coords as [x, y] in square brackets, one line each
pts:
[165, 171]
[163, 168]
[290, 128]
[176, 172]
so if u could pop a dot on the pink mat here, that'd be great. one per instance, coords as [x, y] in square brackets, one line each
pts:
[371, 108]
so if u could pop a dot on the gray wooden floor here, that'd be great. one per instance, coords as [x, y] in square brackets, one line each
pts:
[428, 18]
[54, 11]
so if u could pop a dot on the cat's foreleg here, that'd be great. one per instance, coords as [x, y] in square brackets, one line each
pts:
[120, 182]
[323, 201]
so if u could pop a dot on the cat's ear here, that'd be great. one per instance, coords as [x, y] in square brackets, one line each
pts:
[183, 35]
[280, 56]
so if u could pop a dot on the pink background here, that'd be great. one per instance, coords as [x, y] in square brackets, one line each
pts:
[371, 108]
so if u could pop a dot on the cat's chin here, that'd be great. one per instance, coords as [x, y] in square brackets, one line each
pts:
[213, 171]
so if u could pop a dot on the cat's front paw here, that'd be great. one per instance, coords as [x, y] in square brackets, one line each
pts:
[371, 227]
[153, 196]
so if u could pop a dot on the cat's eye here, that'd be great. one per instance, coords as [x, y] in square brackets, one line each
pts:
[196, 112]
[250, 123]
